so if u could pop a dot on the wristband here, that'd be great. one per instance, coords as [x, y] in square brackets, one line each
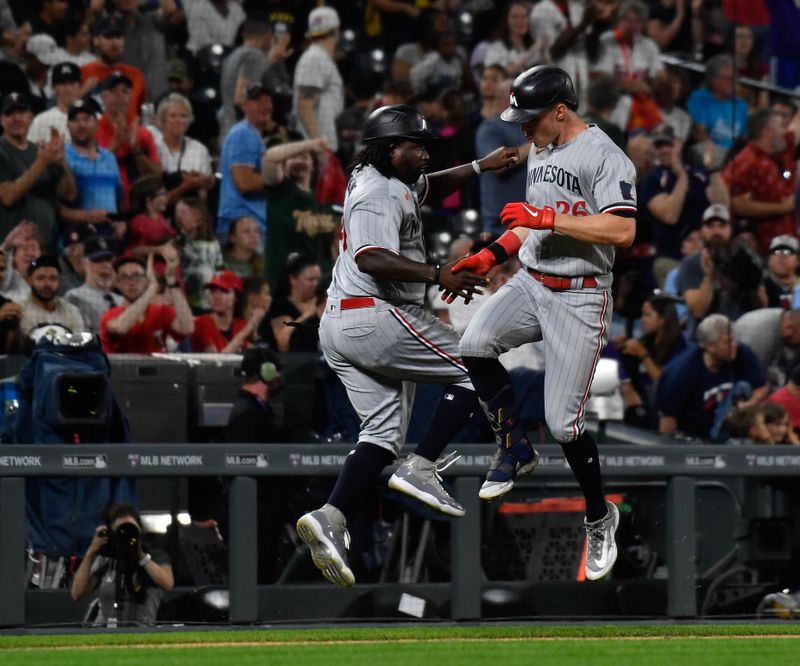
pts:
[437, 274]
[143, 562]
[477, 167]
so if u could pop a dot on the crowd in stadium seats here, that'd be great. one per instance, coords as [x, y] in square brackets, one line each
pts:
[172, 172]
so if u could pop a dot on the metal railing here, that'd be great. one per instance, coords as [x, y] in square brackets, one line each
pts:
[680, 465]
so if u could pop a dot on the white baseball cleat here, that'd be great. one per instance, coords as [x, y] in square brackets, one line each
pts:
[601, 549]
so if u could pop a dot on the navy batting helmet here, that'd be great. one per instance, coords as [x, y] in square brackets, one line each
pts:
[397, 121]
[536, 90]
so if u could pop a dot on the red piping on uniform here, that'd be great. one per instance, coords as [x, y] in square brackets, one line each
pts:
[615, 208]
[594, 365]
[373, 247]
[427, 342]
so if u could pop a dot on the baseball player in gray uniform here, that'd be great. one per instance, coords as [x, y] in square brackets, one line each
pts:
[581, 204]
[376, 335]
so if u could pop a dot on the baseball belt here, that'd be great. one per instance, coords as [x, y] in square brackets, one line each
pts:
[557, 282]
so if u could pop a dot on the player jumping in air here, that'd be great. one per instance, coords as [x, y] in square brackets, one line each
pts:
[376, 335]
[580, 205]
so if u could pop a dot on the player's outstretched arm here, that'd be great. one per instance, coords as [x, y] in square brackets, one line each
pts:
[385, 265]
[602, 228]
[442, 183]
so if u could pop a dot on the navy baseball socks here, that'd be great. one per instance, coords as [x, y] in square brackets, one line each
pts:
[515, 456]
[602, 517]
[324, 531]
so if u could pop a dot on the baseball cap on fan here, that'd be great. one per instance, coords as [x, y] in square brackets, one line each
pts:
[784, 242]
[15, 102]
[44, 48]
[322, 21]
[717, 212]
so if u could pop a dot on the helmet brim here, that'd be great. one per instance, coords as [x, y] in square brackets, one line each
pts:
[419, 135]
[514, 114]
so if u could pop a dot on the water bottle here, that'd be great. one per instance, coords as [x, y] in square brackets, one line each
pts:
[147, 113]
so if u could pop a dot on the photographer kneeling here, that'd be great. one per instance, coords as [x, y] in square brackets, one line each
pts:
[129, 582]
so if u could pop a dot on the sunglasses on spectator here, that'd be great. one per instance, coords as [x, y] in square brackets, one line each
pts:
[785, 251]
[132, 278]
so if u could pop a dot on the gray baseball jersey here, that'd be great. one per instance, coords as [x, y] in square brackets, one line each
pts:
[381, 350]
[588, 175]
[379, 212]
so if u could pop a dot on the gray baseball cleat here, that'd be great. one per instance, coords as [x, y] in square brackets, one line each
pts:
[325, 533]
[507, 465]
[420, 478]
[601, 549]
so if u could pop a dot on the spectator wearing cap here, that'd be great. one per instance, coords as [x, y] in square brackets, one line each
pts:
[139, 326]
[66, 81]
[318, 90]
[96, 171]
[132, 144]
[109, 44]
[224, 329]
[71, 259]
[780, 281]
[41, 53]
[32, 178]
[763, 177]
[675, 196]
[51, 20]
[698, 389]
[43, 305]
[212, 22]
[145, 47]
[95, 295]
[242, 187]
[185, 162]
[259, 58]
[722, 278]
[252, 419]
[774, 336]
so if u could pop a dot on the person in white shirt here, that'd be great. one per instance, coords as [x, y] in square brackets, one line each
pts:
[66, 82]
[95, 296]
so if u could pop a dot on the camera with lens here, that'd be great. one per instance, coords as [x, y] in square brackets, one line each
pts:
[123, 542]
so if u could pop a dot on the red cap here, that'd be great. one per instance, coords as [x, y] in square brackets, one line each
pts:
[225, 280]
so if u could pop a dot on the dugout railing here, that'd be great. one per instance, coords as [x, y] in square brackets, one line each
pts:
[681, 466]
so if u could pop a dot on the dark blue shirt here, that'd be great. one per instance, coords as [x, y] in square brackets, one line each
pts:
[661, 180]
[698, 398]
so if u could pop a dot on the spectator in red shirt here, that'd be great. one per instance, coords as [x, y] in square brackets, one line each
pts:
[132, 145]
[149, 229]
[789, 397]
[139, 326]
[221, 330]
[109, 43]
[762, 177]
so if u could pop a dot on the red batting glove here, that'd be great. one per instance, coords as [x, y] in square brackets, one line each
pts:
[480, 263]
[525, 215]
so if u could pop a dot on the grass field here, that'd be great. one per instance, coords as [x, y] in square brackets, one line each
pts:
[614, 645]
